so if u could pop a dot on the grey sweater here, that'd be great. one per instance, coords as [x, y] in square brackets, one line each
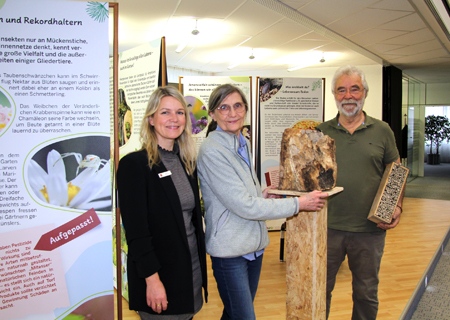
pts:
[230, 188]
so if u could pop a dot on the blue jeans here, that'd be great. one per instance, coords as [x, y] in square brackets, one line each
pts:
[237, 281]
[364, 251]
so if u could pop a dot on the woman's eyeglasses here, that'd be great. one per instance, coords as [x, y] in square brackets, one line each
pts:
[225, 108]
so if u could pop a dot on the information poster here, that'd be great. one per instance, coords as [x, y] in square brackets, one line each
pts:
[285, 103]
[55, 172]
[196, 91]
[138, 78]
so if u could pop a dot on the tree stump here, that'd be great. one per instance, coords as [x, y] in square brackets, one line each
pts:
[306, 266]
[306, 261]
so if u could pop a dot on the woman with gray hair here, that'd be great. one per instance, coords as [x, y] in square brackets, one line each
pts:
[235, 206]
[161, 213]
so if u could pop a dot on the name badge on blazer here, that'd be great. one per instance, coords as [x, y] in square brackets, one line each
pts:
[164, 174]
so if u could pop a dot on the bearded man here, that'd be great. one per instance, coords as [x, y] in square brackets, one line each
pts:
[364, 146]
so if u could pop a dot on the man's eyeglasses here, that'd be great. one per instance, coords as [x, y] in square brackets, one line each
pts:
[225, 108]
[353, 91]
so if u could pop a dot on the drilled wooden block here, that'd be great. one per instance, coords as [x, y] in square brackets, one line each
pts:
[391, 186]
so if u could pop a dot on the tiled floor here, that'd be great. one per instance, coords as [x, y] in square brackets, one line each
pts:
[435, 302]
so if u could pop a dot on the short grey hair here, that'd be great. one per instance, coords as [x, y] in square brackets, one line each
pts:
[349, 71]
[221, 92]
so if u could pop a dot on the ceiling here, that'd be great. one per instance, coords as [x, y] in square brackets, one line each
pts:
[403, 33]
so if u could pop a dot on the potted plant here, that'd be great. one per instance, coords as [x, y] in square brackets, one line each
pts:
[437, 129]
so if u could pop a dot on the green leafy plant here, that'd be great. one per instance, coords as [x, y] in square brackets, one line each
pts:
[437, 129]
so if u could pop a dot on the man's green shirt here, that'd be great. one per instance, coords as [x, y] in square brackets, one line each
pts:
[361, 158]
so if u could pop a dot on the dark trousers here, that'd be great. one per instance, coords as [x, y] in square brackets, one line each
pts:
[364, 251]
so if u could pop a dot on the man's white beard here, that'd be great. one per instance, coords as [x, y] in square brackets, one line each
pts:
[355, 110]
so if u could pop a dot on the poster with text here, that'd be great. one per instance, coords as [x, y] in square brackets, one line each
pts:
[284, 103]
[138, 78]
[196, 92]
[55, 177]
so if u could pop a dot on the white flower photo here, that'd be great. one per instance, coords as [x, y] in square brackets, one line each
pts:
[91, 187]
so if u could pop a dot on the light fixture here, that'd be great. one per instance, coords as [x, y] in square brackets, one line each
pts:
[440, 11]
[240, 61]
[195, 31]
[323, 58]
[307, 59]
[185, 42]
[251, 56]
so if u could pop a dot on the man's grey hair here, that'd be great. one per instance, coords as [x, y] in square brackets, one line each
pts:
[349, 71]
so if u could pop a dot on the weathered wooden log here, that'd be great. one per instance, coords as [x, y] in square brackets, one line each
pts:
[307, 161]
[306, 266]
[306, 262]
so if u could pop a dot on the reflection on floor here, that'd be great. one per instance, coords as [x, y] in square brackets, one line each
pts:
[434, 185]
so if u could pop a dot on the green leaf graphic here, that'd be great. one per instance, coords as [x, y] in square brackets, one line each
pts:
[97, 11]
[317, 85]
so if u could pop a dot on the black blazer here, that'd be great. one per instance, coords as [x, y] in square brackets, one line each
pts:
[156, 235]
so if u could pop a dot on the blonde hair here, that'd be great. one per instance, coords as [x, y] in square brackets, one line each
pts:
[148, 138]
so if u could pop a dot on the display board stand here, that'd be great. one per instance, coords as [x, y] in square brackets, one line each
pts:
[306, 261]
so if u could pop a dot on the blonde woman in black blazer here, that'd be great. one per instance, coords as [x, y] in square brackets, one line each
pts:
[161, 214]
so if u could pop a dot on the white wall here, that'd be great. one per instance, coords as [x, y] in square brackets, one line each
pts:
[173, 73]
[437, 94]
